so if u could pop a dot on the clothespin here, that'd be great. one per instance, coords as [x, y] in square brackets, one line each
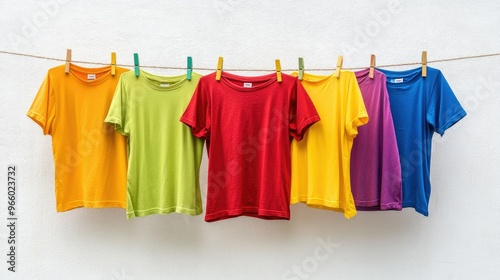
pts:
[68, 61]
[218, 74]
[372, 66]
[278, 70]
[189, 68]
[113, 63]
[136, 64]
[340, 60]
[424, 64]
[301, 68]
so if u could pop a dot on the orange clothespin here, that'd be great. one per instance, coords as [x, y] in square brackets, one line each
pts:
[372, 66]
[113, 63]
[340, 60]
[68, 61]
[278, 70]
[424, 64]
[218, 74]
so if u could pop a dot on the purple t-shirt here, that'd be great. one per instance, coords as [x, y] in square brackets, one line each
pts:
[375, 166]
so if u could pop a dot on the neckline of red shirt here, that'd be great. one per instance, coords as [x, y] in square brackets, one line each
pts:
[265, 81]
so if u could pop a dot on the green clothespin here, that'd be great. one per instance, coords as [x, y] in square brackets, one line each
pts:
[301, 68]
[189, 68]
[136, 64]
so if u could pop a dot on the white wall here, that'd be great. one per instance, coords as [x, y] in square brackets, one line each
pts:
[459, 240]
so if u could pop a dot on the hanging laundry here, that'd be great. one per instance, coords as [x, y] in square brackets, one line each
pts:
[164, 157]
[248, 123]
[375, 167]
[90, 157]
[321, 162]
[420, 106]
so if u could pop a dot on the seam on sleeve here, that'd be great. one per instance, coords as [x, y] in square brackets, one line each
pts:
[361, 119]
[458, 116]
[38, 119]
[304, 125]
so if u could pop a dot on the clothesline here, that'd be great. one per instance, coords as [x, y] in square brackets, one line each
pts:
[235, 69]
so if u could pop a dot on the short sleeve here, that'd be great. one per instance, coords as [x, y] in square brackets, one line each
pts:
[444, 110]
[356, 114]
[117, 113]
[43, 110]
[302, 112]
[197, 113]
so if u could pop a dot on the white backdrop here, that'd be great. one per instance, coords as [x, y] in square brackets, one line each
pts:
[459, 240]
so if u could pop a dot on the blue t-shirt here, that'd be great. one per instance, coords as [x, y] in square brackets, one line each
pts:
[420, 106]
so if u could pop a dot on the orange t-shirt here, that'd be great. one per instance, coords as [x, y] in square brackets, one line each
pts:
[90, 157]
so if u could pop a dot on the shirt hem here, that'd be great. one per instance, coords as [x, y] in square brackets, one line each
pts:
[248, 211]
[417, 209]
[91, 204]
[376, 205]
[163, 211]
[395, 207]
[337, 206]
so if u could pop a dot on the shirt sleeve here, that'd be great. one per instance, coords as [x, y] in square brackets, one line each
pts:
[356, 114]
[117, 113]
[197, 113]
[302, 112]
[43, 110]
[444, 110]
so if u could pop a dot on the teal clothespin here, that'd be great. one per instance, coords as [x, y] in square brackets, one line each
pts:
[136, 64]
[189, 68]
[301, 68]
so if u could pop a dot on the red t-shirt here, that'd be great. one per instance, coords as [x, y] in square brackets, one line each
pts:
[248, 123]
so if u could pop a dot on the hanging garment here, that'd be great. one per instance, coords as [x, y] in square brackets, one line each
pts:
[164, 157]
[248, 123]
[420, 106]
[375, 167]
[321, 162]
[90, 157]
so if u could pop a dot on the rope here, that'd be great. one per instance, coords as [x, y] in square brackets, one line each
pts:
[213, 69]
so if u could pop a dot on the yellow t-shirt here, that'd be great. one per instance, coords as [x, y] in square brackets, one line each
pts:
[321, 161]
[90, 157]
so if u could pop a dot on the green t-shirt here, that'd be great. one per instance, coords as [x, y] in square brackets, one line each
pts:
[163, 155]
